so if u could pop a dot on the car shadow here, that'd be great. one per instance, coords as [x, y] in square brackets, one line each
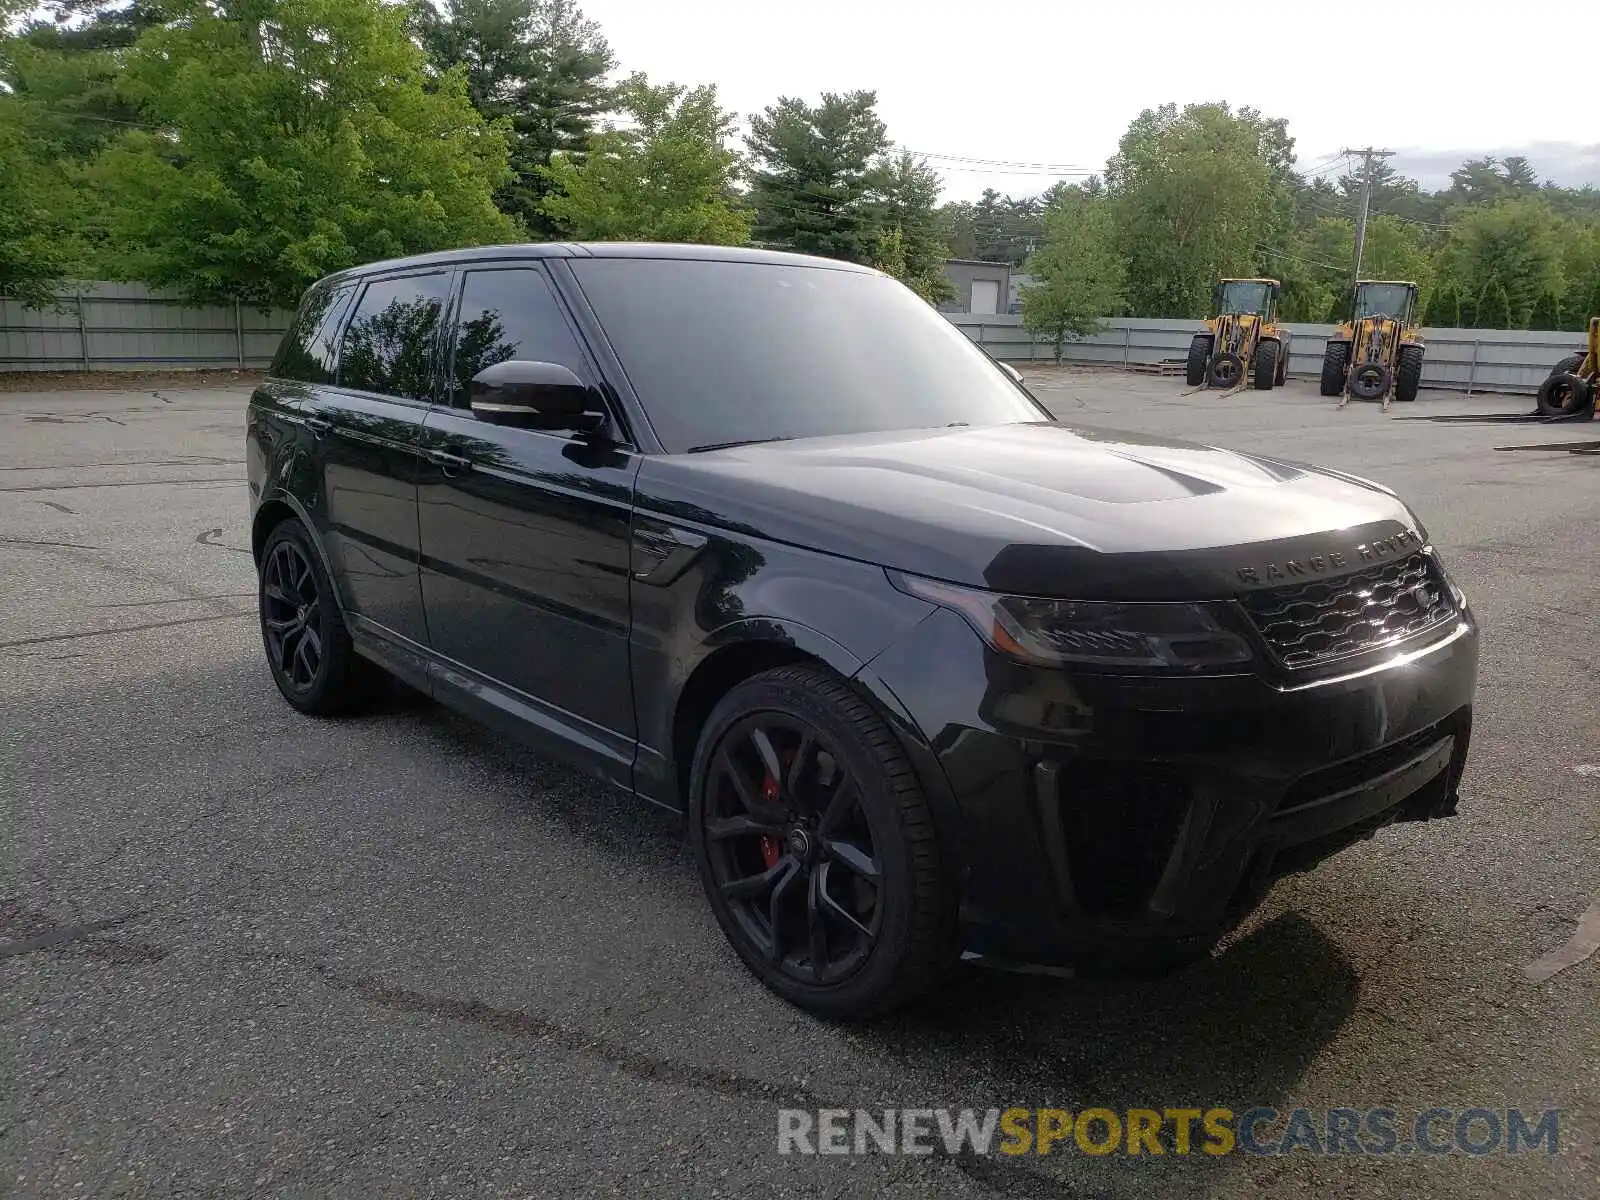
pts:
[1236, 1030]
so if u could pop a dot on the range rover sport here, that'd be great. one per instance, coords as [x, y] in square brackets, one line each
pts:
[765, 539]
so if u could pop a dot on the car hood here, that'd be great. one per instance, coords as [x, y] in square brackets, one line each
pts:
[1042, 508]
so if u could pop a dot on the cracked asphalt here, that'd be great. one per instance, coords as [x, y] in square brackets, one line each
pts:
[244, 952]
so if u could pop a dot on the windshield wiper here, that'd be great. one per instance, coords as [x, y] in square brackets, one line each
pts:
[787, 437]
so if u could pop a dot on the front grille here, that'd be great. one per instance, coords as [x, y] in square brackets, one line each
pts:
[1325, 619]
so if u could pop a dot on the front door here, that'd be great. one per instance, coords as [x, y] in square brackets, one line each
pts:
[525, 538]
[366, 430]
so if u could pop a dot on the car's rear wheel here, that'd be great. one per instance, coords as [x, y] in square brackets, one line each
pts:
[816, 846]
[308, 647]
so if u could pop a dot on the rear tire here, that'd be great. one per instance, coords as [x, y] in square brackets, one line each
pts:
[1408, 374]
[1563, 395]
[1226, 371]
[1264, 368]
[1194, 373]
[1334, 360]
[776, 855]
[302, 630]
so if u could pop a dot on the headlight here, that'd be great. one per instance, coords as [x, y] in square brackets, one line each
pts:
[1134, 635]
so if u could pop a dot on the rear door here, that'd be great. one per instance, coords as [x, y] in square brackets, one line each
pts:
[525, 537]
[367, 429]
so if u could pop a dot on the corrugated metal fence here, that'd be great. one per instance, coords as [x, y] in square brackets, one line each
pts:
[1486, 360]
[118, 326]
[128, 327]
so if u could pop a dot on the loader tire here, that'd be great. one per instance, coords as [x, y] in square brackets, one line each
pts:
[1563, 395]
[1199, 354]
[1334, 360]
[1264, 366]
[1408, 374]
[1567, 366]
[1370, 381]
[1226, 370]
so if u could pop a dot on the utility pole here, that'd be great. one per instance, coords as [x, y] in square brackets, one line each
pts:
[1367, 156]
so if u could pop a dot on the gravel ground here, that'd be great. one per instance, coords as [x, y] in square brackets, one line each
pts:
[247, 953]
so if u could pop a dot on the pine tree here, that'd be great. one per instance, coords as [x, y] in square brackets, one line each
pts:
[1494, 307]
[1546, 312]
[1444, 308]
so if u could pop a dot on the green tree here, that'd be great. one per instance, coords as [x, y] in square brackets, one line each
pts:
[333, 148]
[1444, 308]
[1519, 174]
[1546, 312]
[36, 212]
[1516, 244]
[813, 174]
[905, 192]
[538, 66]
[1192, 193]
[1081, 277]
[1494, 308]
[667, 176]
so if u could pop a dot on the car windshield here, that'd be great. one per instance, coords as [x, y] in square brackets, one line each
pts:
[722, 352]
[1382, 300]
[1241, 297]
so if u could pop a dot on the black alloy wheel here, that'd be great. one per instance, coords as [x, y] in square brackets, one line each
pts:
[791, 850]
[816, 846]
[308, 646]
[291, 616]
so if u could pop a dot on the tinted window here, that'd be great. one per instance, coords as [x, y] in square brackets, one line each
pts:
[510, 314]
[731, 351]
[307, 352]
[389, 342]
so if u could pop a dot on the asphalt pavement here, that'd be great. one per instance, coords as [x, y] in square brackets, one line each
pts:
[244, 952]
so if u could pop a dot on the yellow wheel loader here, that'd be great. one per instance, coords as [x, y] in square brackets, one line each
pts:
[1571, 389]
[1377, 354]
[1242, 338]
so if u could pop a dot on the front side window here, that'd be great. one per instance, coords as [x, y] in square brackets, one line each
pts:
[723, 351]
[389, 342]
[510, 314]
[309, 350]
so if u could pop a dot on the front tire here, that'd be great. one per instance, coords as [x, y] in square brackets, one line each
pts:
[1564, 395]
[1408, 374]
[304, 634]
[1226, 371]
[1264, 368]
[1335, 357]
[1194, 372]
[816, 846]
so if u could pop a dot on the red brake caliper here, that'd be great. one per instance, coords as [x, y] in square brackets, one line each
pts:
[769, 843]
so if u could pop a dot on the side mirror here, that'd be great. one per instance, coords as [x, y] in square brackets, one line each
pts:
[1011, 371]
[535, 395]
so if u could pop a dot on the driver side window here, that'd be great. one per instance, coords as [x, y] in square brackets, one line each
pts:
[505, 314]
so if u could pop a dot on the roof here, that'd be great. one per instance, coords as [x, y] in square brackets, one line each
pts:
[976, 262]
[536, 250]
[1396, 282]
[1273, 282]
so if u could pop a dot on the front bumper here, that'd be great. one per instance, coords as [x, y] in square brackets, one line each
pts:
[1084, 813]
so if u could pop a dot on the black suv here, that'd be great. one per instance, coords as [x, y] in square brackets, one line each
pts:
[764, 539]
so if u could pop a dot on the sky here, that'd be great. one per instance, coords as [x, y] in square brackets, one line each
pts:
[1055, 84]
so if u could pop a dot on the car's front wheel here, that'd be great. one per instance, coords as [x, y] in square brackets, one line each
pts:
[816, 846]
[308, 647]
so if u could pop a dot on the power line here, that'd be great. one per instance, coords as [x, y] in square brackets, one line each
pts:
[1047, 168]
[1310, 262]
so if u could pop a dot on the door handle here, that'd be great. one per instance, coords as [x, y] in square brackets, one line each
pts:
[450, 462]
[318, 425]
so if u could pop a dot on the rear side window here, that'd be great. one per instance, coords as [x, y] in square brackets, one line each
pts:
[510, 314]
[389, 341]
[308, 351]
